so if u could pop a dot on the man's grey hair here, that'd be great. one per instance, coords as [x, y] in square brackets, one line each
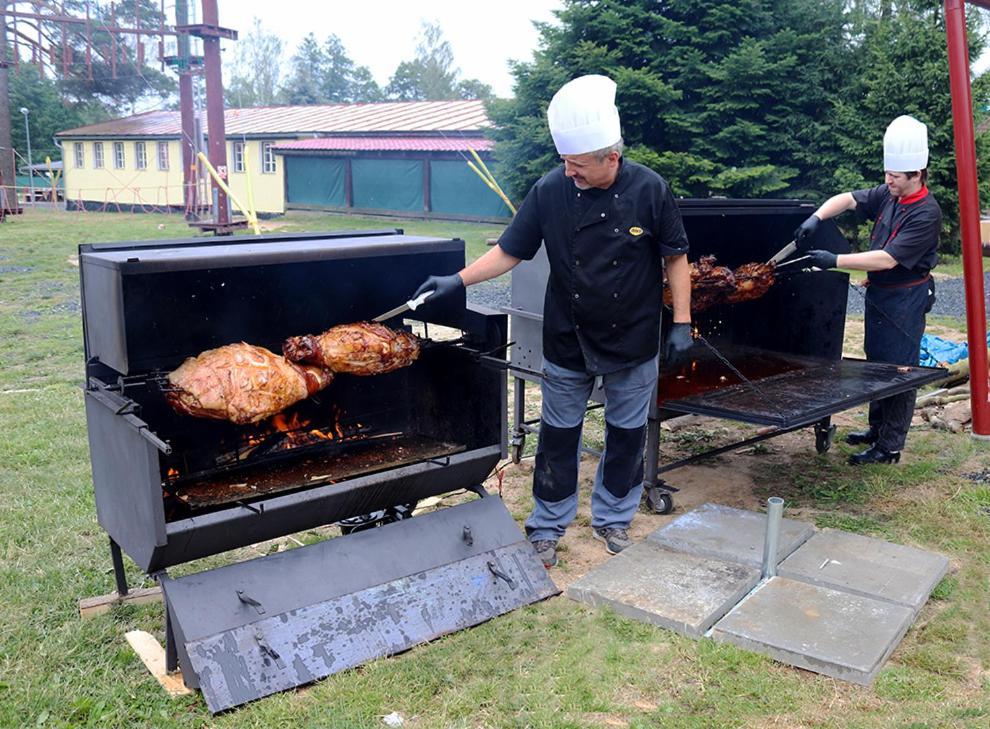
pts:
[604, 152]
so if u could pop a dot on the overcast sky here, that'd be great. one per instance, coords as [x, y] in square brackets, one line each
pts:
[380, 34]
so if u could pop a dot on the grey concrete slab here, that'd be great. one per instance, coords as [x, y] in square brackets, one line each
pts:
[683, 592]
[836, 633]
[867, 566]
[722, 532]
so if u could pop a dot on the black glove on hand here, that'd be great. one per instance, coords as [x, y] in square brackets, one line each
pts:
[822, 259]
[441, 286]
[678, 342]
[806, 229]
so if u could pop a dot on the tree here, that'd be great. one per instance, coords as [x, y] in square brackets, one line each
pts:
[431, 75]
[119, 85]
[720, 97]
[326, 74]
[254, 80]
[49, 113]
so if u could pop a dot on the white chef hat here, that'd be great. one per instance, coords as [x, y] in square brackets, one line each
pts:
[905, 145]
[582, 115]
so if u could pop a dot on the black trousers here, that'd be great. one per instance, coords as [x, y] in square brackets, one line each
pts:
[895, 321]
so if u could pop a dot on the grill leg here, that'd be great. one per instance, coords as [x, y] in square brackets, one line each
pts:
[171, 652]
[118, 568]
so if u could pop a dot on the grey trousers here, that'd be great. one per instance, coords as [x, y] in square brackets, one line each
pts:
[619, 479]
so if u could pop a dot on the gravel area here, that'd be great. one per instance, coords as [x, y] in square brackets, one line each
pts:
[950, 299]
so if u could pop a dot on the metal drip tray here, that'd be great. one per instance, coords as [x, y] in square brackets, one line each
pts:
[312, 468]
[804, 395]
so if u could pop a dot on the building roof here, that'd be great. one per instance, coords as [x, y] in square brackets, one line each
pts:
[407, 117]
[390, 144]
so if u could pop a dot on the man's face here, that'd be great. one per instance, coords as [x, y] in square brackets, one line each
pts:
[900, 184]
[587, 171]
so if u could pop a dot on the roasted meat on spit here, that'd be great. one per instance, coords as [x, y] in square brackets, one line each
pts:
[364, 348]
[241, 383]
[712, 284]
[753, 280]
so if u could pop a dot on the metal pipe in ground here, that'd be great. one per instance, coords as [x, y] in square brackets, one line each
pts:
[771, 542]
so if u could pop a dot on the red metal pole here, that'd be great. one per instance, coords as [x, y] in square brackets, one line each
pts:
[216, 131]
[969, 212]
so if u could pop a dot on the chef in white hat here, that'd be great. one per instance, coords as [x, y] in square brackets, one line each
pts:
[900, 289]
[610, 228]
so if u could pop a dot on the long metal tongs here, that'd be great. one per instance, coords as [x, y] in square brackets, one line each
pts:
[410, 305]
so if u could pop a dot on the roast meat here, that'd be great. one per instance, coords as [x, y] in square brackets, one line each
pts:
[364, 348]
[241, 383]
[753, 280]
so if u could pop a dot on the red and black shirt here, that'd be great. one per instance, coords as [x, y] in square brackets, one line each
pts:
[906, 228]
[601, 312]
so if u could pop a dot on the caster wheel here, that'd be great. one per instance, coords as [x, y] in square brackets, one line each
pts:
[660, 502]
[515, 452]
[824, 438]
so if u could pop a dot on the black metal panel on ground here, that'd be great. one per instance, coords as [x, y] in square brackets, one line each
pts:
[254, 628]
[808, 394]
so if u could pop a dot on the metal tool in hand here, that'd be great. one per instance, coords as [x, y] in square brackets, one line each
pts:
[783, 252]
[410, 305]
[793, 260]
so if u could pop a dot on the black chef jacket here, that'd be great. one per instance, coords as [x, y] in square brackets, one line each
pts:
[602, 307]
[907, 229]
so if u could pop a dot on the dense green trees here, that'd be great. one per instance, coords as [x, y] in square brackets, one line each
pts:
[776, 98]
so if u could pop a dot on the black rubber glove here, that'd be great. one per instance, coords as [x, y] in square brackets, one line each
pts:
[678, 342]
[806, 229]
[442, 286]
[822, 259]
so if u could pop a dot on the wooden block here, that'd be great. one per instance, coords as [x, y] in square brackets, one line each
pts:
[92, 606]
[152, 655]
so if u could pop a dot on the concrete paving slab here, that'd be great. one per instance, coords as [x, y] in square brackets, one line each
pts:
[867, 566]
[827, 631]
[683, 592]
[725, 533]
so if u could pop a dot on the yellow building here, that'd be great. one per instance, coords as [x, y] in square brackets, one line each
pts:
[136, 162]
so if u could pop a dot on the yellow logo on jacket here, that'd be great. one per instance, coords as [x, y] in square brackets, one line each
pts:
[635, 230]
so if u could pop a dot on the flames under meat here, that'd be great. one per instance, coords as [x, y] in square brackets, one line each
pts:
[712, 284]
[364, 348]
[241, 383]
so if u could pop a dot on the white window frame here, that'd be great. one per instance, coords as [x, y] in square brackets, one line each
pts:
[79, 154]
[98, 155]
[140, 156]
[268, 158]
[237, 156]
[119, 161]
[162, 155]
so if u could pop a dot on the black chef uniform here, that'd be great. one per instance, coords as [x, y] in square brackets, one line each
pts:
[898, 299]
[602, 307]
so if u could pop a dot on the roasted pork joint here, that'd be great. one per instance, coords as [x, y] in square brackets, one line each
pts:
[753, 280]
[712, 284]
[364, 348]
[241, 383]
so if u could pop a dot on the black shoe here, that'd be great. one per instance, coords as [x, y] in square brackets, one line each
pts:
[862, 437]
[876, 454]
[546, 550]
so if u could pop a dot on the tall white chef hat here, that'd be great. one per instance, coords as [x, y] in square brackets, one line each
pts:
[582, 115]
[905, 145]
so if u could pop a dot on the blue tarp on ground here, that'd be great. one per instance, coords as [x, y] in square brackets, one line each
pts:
[936, 351]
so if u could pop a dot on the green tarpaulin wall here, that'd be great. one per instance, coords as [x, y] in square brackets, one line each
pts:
[454, 188]
[315, 181]
[388, 184]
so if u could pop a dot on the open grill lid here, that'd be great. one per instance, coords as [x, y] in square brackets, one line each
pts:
[150, 305]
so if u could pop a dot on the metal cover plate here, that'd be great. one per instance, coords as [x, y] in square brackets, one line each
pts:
[803, 396]
[294, 648]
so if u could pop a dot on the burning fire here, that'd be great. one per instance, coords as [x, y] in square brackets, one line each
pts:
[297, 431]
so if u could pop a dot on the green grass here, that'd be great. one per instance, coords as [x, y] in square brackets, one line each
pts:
[555, 664]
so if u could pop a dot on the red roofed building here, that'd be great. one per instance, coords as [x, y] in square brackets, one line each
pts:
[404, 158]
